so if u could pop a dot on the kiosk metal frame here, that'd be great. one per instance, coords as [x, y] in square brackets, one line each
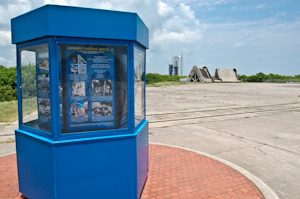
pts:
[99, 163]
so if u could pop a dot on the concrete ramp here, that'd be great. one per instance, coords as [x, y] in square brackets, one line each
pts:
[227, 75]
[198, 75]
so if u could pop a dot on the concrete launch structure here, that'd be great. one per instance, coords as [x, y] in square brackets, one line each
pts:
[203, 75]
[227, 75]
[198, 75]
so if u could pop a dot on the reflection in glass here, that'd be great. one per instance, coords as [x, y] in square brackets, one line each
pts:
[93, 87]
[139, 85]
[35, 87]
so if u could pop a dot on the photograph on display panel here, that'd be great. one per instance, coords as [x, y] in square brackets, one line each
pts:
[79, 109]
[74, 68]
[102, 109]
[78, 88]
[102, 87]
[81, 68]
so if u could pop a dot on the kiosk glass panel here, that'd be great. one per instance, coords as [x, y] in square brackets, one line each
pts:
[35, 87]
[139, 85]
[93, 87]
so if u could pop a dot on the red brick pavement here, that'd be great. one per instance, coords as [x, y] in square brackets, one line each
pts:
[173, 173]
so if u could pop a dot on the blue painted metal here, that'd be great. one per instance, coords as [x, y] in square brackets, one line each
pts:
[96, 164]
[34, 22]
[35, 167]
[102, 167]
[130, 86]
[78, 22]
[98, 175]
[54, 90]
[19, 92]
[142, 141]
[142, 33]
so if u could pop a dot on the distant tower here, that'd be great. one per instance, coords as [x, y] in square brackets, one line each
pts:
[177, 64]
[175, 70]
[170, 69]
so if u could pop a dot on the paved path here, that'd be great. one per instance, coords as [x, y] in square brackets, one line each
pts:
[173, 173]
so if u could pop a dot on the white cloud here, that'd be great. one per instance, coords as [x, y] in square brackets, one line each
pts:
[281, 14]
[58, 2]
[5, 62]
[260, 6]
[164, 9]
[185, 37]
[5, 38]
[2, 59]
[242, 8]
[201, 2]
[187, 12]
[174, 28]
[105, 5]
[238, 44]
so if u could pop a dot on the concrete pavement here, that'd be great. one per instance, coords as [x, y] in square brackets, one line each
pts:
[253, 125]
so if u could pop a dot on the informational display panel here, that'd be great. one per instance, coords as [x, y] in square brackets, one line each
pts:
[89, 87]
[43, 91]
[93, 87]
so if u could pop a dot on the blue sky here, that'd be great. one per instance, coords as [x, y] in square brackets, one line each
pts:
[249, 35]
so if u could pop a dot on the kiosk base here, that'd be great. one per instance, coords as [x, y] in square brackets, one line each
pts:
[111, 167]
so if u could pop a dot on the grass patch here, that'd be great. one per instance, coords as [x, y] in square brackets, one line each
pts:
[7, 142]
[9, 110]
[152, 78]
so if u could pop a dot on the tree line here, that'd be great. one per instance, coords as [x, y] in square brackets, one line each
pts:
[8, 80]
[261, 77]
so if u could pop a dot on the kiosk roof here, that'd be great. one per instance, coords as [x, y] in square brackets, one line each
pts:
[54, 20]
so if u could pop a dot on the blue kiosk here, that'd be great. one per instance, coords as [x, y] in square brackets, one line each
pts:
[81, 96]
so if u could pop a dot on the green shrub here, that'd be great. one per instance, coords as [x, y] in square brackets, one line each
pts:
[7, 93]
[8, 83]
[261, 77]
[152, 78]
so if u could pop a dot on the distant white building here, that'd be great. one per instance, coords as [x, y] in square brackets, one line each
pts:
[177, 64]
